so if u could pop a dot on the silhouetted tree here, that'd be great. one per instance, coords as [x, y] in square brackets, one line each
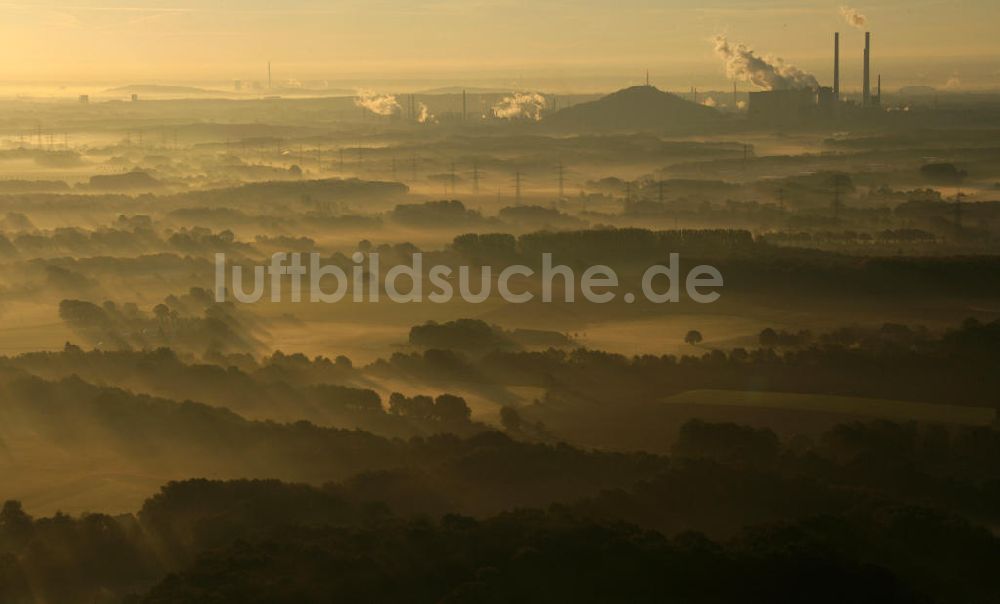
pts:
[15, 525]
[451, 408]
[510, 418]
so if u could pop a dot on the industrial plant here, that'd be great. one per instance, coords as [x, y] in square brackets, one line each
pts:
[809, 104]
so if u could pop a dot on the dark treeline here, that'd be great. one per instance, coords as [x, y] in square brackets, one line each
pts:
[93, 425]
[133, 237]
[852, 237]
[192, 322]
[472, 335]
[577, 386]
[438, 214]
[308, 194]
[748, 264]
[279, 387]
[556, 557]
[870, 512]
[893, 363]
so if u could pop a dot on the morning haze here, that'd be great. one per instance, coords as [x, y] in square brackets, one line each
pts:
[464, 302]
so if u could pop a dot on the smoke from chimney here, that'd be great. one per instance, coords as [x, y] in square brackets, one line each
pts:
[379, 104]
[768, 72]
[520, 105]
[424, 116]
[853, 17]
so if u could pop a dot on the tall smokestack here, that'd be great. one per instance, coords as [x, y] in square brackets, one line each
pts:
[463, 105]
[836, 66]
[866, 95]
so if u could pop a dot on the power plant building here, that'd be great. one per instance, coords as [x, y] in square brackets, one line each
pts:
[789, 107]
[792, 106]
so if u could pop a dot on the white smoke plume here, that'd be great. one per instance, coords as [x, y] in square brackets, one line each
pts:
[710, 102]
[424, 115]
[521, 105]
[379, 104]
[853, 17]
[768, 72]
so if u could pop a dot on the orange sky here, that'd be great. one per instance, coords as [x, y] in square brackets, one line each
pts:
[148, 40]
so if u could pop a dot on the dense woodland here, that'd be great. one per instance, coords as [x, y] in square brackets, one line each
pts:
[879, 511]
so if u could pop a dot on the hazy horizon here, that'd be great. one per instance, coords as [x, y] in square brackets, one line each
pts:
[505, 44]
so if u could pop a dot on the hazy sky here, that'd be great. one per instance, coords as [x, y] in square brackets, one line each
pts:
[916, 41]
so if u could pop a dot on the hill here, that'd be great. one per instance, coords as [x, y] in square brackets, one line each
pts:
[635, 108]
[160, 89]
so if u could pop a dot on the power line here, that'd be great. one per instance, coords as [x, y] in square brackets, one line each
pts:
[562, 176]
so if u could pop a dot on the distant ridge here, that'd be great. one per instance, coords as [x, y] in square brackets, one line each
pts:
[460, 89]
[160, 89]
[917, 90]
[635, 108]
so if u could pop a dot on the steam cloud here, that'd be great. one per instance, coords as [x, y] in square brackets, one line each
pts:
[379, 104]
[424, 115]
[853, 17]
[770, 73]
[521, 105]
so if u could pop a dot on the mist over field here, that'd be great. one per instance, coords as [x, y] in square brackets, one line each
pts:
[439, 325]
